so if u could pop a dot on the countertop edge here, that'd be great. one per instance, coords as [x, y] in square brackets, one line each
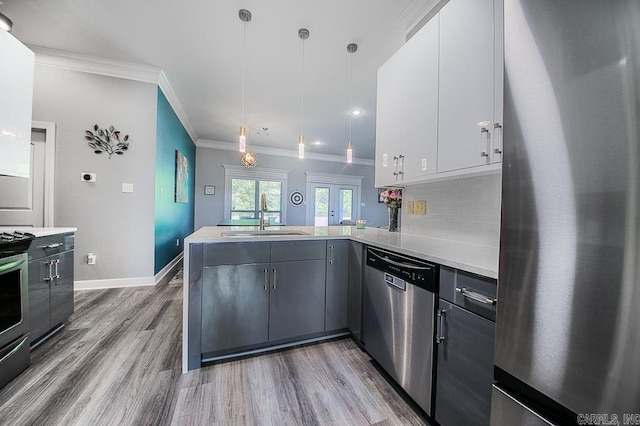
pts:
[38, 232]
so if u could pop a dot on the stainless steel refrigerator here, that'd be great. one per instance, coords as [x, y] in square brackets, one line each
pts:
[568, 322]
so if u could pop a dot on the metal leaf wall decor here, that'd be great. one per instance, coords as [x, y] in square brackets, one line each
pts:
[107, 140]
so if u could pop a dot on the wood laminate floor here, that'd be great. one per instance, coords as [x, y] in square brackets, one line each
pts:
[118, 362]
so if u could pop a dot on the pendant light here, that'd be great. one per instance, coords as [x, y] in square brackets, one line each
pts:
[351, 48]
[248, 158]
[303, 33]
[245, 17]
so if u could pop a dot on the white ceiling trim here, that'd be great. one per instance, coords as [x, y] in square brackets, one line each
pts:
[175, 103]
[113, 68]
[230, 146]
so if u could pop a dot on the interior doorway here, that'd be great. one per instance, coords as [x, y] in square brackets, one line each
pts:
[29, 201]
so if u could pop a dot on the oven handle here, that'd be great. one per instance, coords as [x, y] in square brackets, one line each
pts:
[14, 350]
[50, 246]
[10, 265]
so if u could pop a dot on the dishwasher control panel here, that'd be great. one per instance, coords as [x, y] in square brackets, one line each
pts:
[400, 269]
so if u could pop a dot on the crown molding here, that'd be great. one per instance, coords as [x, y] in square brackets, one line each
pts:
[114, 68]
[175, 103]
[230, 146]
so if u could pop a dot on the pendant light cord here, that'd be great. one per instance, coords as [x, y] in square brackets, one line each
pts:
[351, 97]
[244, 51]
[302, 94]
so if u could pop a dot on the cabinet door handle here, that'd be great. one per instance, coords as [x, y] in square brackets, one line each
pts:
[275, 281]
[484, 138]
[440, 336]
[266, 279]
[476, 296]
[401, 167]
[497, 149]
[395, 167]
[49, 263]
[50, 246]
[56, 263]
[330, 254]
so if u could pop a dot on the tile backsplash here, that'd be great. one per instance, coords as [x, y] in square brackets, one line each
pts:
[466, 209]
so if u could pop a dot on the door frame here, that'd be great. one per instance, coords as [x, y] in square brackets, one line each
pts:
[314, 178]
[49, 168]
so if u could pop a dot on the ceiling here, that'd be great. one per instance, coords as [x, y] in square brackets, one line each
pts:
[199, 46]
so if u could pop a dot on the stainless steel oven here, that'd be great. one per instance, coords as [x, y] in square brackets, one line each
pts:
[14, 307]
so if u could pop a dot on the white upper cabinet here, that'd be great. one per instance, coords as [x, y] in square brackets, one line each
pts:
[388, 120]
[407, 110]
[420, 103]
[16, 86]
[439, 111]
[466, 84]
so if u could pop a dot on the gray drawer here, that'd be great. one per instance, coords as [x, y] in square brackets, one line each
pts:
[235, 253]
[52, 244]
[298, 250]
[463, 288]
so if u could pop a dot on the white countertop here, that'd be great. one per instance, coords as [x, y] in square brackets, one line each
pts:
[38, 232]
[477, 259]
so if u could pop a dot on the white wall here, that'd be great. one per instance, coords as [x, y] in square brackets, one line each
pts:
[118, 227]
[462, 209]
[209, 171]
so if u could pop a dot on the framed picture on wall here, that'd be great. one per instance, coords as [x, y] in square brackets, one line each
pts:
[182, 175]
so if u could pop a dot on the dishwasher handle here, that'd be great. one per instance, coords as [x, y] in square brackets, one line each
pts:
[387, 259]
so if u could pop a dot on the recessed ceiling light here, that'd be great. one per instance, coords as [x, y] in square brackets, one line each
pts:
[356, 112]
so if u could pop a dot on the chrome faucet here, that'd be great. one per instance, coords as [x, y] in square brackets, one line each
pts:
[263, 208]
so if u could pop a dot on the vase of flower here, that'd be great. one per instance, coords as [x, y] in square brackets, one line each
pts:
[392, 198]
[393, 219]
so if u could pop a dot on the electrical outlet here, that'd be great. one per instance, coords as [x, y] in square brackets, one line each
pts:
[91, 259]
[420, 207]
[409, 207]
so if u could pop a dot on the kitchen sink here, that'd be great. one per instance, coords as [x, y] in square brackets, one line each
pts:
[262, 233]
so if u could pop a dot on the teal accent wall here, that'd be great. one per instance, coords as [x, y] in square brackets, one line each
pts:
[173, 221]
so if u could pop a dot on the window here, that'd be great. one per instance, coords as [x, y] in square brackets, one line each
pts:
[244, 188]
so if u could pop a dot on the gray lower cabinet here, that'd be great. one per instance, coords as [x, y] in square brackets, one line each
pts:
[259, 293]
[466, 335]
[354, 296]
[235, 305]
[336, 316]
[50, 283]
[297, 300]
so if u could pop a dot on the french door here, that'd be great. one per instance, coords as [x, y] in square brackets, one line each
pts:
[333, 204]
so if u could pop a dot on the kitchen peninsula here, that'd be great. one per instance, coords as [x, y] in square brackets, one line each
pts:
[268, 259]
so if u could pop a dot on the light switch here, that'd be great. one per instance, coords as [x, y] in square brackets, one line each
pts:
[409, 207]
[127, 187]
[420, 207]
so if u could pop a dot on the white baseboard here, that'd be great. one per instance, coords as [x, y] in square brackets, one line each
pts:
[127, 282]
[167, 269]
[114, 283]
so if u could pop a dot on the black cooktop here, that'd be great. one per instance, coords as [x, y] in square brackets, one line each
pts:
[15, 242]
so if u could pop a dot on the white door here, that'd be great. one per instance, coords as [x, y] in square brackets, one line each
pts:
[332, 204]
[29, 201]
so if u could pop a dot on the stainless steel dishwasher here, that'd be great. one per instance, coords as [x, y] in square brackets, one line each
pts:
[398, 320]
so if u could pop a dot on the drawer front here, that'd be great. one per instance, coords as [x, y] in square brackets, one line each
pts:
[52, 244]
[284, 251]
[235, 253]
[469, 291]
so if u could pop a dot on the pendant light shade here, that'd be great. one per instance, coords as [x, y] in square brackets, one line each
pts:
[5, 23]
[245, 17]
[303, 33]
[351, 48]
